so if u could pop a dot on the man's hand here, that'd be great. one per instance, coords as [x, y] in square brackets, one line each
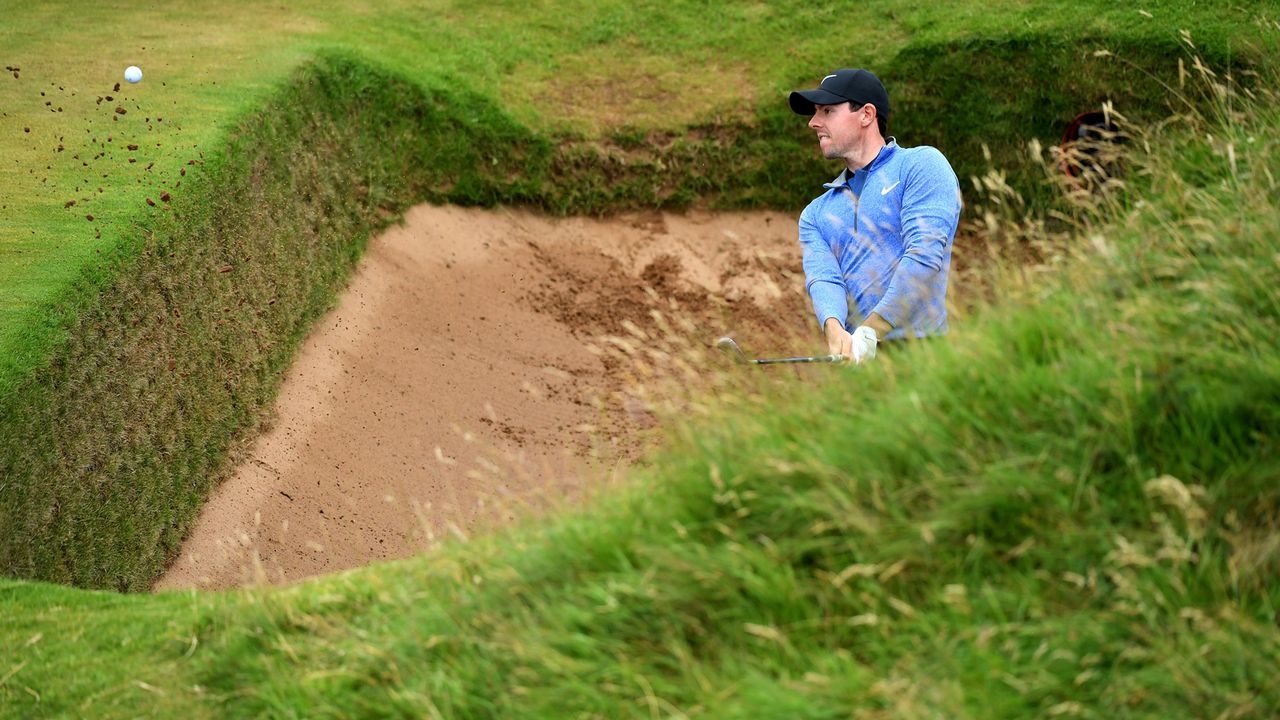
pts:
[859, 346]
[839, 341]
[863, 344]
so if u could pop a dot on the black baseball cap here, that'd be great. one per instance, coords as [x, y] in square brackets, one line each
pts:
[844, 85]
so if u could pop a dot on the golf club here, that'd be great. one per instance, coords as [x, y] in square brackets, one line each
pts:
[729, 347]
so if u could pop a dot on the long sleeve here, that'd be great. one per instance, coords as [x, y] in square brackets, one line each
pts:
[823, 279]
[930, 209]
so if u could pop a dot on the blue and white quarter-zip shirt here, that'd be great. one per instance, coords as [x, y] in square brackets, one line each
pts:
[879, 240]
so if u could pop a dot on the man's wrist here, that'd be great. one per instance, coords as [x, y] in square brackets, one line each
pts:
[879, 324]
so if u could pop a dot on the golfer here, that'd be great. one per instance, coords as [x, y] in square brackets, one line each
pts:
[877, 243]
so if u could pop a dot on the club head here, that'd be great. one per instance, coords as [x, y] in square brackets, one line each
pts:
[730, 348]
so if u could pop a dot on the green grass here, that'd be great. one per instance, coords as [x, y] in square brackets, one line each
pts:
[1068, 509]
[989, 542]
[564, 70]
[74, 653]
[129, 373]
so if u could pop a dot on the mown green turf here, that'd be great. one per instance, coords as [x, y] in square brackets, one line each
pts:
[72, 653]
[1067, 509]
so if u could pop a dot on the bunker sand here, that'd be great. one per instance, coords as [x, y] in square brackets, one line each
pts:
[454, 384]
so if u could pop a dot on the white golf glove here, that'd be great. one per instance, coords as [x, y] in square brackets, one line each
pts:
[864, 344]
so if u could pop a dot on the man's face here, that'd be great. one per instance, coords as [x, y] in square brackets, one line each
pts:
[840, 129]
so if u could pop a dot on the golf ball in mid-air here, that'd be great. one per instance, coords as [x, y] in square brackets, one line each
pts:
[133, 74]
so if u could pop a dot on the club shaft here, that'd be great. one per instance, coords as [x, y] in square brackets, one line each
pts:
[817, 359]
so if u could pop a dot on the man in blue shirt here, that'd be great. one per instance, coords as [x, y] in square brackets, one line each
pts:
[877, 243]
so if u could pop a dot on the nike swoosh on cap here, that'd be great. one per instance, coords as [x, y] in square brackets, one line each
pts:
[825, 78]
[886, 190]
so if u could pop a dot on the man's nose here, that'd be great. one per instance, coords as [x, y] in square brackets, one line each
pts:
[813, 122]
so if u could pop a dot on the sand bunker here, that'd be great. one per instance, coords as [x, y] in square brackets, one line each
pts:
[455, 380]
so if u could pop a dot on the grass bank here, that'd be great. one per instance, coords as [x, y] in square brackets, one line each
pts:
[1068, 509]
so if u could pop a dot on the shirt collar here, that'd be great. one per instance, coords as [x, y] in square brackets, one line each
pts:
[881, 158]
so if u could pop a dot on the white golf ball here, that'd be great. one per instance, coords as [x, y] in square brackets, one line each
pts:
[133, 74]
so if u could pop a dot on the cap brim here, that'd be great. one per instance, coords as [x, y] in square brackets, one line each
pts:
[802, 101]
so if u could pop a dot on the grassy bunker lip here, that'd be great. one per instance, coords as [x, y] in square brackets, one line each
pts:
[166, 362]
